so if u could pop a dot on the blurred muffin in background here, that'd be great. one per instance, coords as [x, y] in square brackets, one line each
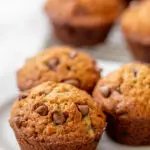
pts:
[136, 29]
[59, 64]
[83, 22]
[57, 116]
[124, 96]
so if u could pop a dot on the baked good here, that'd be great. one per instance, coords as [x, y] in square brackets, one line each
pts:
[57, 116]
[136, 29]
[124, 96]
[59, 64]
[83, 22]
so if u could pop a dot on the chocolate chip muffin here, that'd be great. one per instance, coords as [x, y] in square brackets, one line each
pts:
[59, 64]
[83, 22]
[57, 116]
[136, 29]
[124, 95]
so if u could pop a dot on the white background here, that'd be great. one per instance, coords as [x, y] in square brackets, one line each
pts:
[22, 31]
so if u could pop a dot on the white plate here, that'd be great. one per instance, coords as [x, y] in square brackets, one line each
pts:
[7, 138]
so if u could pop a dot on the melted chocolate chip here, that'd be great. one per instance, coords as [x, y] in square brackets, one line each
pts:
[105, 90]
[73, 54]
[66, 115]
[58, 118]
[84, 109]
[22, 95]
[72, 82]
[68, 68]
[53, 63]
[135, 71]
[41, 109]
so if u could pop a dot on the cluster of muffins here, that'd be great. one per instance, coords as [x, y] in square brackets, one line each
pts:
[55, 109]
[64, 103]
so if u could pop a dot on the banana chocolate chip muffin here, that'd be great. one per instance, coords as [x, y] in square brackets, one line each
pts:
[57, 116]
[59, 64]
[136, 29]
[83, 22]
[124, 95]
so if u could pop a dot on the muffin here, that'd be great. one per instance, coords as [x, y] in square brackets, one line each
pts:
[59, 64]
[124, 95]
[57, 116]
[136, 29]
[83, 22]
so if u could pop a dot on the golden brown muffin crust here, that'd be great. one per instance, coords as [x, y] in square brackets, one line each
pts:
[136, 22]
[57, 113]
[59, 64]
[126, 92]
[79, 12]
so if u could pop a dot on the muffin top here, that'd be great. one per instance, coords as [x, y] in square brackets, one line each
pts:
[59, 64]
[125, 92]
[57, 112]
[136, 22]
[79, 12]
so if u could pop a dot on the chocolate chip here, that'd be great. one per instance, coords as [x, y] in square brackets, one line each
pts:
[68, 68]
[18, 121]
[72, 82]
[42, 110]
[105, 90]
[135, 71]
[66, 115]
[84, 109]
[73, 54]
[58, 118]
[53, 63]
[22, 95]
